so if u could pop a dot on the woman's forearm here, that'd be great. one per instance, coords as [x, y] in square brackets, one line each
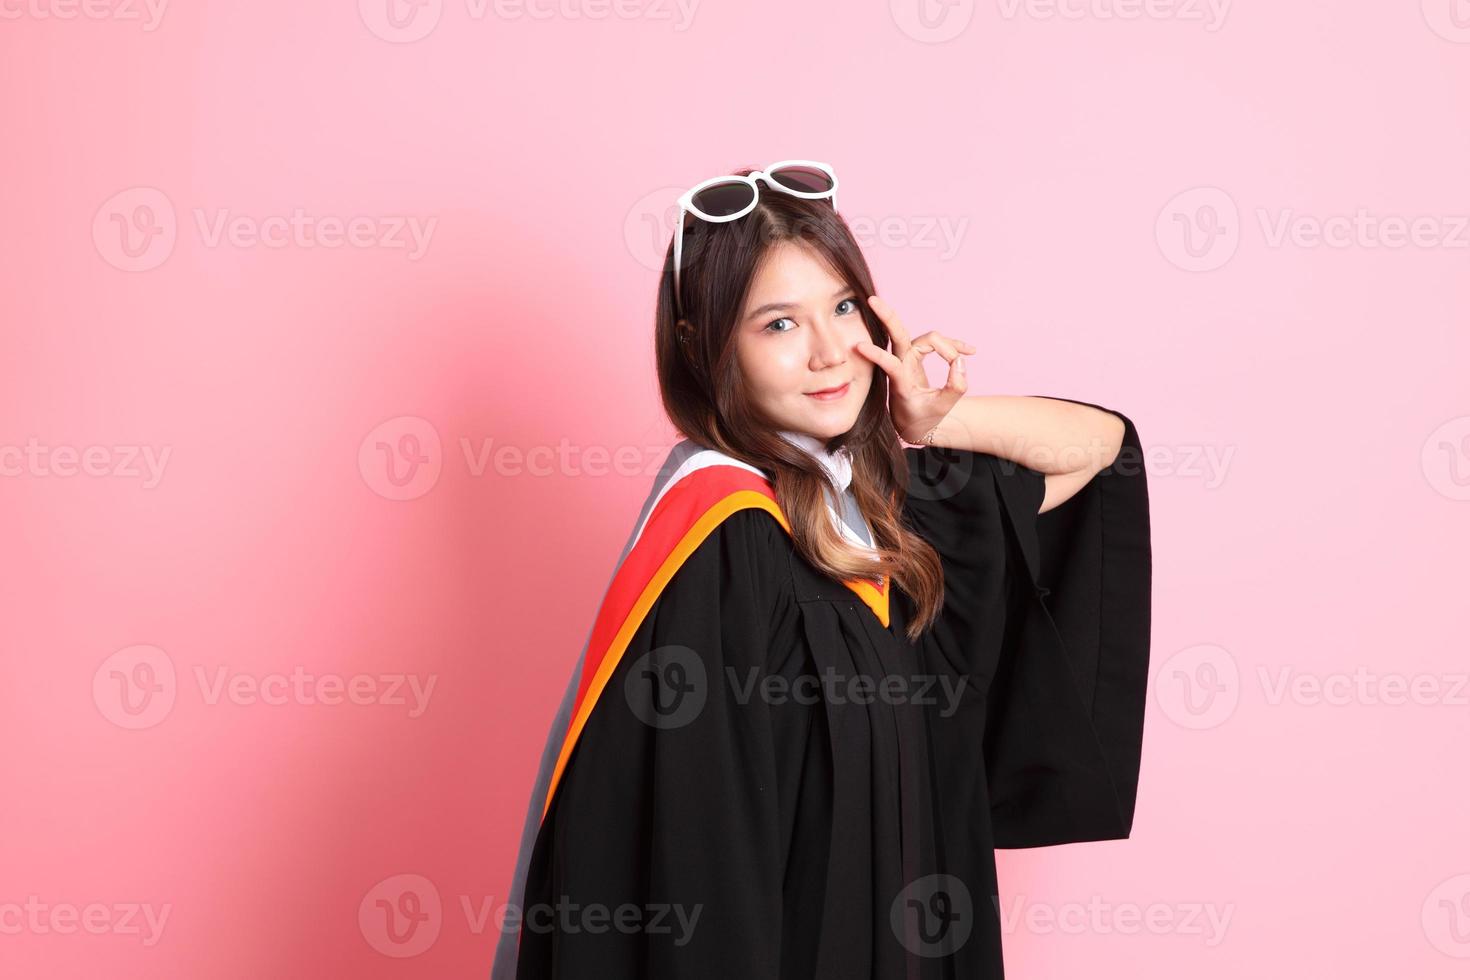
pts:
[1049, 435]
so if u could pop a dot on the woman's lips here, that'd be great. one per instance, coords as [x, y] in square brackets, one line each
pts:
[831, 394]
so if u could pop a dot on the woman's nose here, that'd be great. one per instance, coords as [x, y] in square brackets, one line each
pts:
[828, 344]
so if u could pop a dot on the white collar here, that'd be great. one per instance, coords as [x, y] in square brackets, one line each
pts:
[837, 464]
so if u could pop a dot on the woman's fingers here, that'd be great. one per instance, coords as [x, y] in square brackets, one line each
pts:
[904, 365]
[956, 383]
[896, 330]
[891, 365]
[948, 347]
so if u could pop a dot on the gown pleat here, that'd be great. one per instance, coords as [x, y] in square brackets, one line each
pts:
[853, 836]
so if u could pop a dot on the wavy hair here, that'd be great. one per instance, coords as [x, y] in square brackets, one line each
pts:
[706, 397]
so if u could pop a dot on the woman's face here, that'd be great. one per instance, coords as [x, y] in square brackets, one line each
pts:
[796, 337]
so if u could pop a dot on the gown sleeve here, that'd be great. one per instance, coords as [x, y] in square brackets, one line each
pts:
[667, 809]
[1063, 717]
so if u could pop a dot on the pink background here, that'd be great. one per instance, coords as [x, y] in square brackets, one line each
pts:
[1113, 179]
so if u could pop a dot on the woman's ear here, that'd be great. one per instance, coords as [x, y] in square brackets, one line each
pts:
[685, 331]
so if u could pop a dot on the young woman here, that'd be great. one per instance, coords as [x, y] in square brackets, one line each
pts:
[833, 673]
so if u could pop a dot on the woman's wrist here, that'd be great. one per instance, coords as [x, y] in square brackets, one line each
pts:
[935, 435]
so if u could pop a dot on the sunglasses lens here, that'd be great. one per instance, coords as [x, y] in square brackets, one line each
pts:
[807, 180]
[722, 199]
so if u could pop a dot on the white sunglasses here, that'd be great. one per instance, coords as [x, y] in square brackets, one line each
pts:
[734, 196]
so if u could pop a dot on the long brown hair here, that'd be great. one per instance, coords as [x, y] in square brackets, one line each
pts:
[705, 396]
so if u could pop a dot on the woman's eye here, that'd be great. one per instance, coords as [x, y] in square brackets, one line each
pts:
[773, 327]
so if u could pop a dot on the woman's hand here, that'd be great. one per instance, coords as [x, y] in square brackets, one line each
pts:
[916, 408]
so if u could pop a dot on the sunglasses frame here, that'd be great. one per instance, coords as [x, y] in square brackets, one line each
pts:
[686, 202]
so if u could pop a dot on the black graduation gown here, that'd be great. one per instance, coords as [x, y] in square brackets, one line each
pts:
[845, 828]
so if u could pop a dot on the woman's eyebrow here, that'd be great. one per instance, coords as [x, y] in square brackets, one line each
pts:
[788, 305]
